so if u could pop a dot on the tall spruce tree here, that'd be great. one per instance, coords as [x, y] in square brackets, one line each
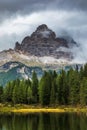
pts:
[29, 95]
[34, 87]
[16, 94]
[8, 91]
[44, 89]
[74, 86]
[83, 92]
[1, 94]
[53, 93]
[62, 88]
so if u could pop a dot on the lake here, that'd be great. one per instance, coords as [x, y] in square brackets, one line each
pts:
[44, 121]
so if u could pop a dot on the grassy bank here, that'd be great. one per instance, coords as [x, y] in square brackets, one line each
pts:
[50, 110]
[36, 109]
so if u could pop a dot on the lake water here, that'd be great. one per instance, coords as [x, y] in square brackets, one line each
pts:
[42, 121]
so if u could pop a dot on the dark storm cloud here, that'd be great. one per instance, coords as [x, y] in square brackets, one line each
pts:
[9, 7]
[12, 8]
[72, 4]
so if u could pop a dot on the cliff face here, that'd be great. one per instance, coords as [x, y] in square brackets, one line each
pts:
[43, 42]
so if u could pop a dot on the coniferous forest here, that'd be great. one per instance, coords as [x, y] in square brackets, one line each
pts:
[65, 88]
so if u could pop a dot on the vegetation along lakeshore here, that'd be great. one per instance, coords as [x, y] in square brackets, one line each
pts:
[52, 93]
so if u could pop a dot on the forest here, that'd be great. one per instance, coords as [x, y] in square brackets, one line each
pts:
[65, 88]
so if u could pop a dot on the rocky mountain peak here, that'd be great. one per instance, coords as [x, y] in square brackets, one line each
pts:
[43, 42]
[43, 32]
[42, 27]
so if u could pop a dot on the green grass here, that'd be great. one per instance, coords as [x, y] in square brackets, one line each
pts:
[19, 108]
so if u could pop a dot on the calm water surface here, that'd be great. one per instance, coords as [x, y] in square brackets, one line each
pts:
[41, 121]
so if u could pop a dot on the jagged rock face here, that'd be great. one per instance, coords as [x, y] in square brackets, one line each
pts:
[43, 32]
[43, 42]
[17, 46]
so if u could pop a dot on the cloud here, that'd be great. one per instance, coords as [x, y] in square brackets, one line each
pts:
[11, 8]
[19, 18]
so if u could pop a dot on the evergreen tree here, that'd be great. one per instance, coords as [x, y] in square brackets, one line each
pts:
[16, 94]
[1, 93]
[29, 95]
[62, 88]
[81, 73]
[85, 71]
[22, 92]
[34, 87]
[53, 94]
[44, 89]
[74, 86]
[8, 91]
[83, 92]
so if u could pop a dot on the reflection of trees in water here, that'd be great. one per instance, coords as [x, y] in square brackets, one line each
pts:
[44, 121]
[19, 122]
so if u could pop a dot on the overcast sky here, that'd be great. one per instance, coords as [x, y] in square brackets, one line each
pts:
[19, 18]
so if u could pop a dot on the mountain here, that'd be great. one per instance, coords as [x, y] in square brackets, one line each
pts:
[43, 42]
[43, 47]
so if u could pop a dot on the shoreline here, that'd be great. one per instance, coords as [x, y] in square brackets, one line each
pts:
[37, 109]
[51, 110]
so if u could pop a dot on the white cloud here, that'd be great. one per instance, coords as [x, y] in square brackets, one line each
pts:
[54, 19]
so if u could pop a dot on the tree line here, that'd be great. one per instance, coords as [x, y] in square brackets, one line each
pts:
[65, 88]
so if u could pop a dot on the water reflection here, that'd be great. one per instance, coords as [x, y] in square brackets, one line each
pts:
[44, 121]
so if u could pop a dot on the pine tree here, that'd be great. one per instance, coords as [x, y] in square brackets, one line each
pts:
[62, 88]
[34, 87]
[29, 95]
[81, 73]
[1, 93]
[44, 89]
[53, 94]
[83, 92]
[74, 86]
[22, 92]
[85, 71]
[16, 89]
[8, 91]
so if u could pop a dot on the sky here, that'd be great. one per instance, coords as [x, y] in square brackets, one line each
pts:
[19, 18]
